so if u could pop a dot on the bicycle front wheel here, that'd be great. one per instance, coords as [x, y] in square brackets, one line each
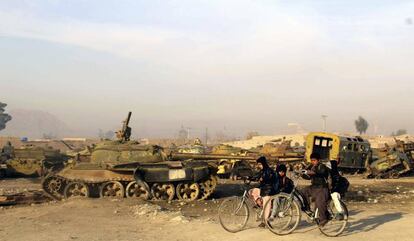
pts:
[338, 220]
[233, 214]
[284, 216]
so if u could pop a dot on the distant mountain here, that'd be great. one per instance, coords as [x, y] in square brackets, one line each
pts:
[34, 124]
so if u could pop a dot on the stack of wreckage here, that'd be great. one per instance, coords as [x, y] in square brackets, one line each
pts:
[235, 162]
[29, 160]
[392, 161]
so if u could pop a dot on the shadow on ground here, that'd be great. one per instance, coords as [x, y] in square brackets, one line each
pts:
[371, 223]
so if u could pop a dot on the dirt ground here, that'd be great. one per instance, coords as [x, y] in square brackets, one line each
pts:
[379, 210]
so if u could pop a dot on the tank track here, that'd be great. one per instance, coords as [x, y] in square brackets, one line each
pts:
[54, 186]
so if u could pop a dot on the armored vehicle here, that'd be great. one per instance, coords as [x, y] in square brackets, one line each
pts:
[232, 168]
[127, 168]
[392, 162]
[29, 160]
[196, 148]
[354, 153]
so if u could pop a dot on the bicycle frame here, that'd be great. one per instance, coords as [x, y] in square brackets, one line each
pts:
[301, 199]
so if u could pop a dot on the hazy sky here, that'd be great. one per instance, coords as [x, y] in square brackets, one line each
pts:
[239, 65]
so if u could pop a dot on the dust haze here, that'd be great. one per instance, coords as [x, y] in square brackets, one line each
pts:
[231, 67]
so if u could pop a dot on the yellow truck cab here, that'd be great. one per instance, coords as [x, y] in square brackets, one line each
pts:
[353, 152]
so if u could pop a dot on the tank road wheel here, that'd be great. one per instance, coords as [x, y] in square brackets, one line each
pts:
[188, 191]
[53, 185]
[207, 187]
[112, 189]
[76, 189]
[136, 190]
[163, 191]
[394, 175]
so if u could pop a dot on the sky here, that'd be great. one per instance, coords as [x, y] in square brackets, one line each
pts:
[230, 65]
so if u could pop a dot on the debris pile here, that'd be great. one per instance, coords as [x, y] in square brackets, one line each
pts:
[26, 197]
[156, 212]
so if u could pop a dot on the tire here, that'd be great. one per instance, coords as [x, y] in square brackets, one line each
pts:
[285, 214]
[233, 214]
[335, 227]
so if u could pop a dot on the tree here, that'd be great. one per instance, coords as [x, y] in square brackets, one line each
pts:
[109, 135]
[399, 132]
[251, 134]
[49, 136]
[4, 117]
[106, 135]
[361, 125]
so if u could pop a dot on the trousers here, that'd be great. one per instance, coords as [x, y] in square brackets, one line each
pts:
[321, 197]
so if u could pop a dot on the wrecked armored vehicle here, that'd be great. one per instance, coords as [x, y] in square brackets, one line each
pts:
[127, 168]
[196, 148]
[232, 168]
[354, 153]
[392, 162]
[29, 160]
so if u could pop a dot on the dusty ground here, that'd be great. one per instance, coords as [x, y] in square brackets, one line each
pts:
[380, 210]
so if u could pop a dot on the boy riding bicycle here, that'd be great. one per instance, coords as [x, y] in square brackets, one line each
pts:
[318, 173]
[269, 185]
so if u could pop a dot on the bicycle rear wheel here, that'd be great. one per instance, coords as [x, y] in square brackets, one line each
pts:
[233, 214]
[285, 214]
[337, 220]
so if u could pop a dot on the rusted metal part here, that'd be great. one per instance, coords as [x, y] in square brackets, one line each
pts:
[392, 162]
[24, 198]
[95, 176]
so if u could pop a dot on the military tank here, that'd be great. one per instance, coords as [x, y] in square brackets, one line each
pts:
[233, 168]
[126, 168]
[29, 160]
[196, 148]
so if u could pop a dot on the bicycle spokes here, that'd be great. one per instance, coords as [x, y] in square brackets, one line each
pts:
[284, 216]
[233, 214]
[338, 219]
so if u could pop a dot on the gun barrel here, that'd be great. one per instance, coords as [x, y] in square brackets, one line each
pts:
[181, 156]
[128, 118]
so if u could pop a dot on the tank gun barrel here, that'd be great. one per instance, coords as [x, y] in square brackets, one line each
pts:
[67, 145]
[181, 156]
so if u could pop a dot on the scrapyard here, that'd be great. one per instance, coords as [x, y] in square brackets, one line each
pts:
[179, 190]
[185, 120]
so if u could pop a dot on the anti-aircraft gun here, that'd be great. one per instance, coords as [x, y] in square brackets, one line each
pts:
[124, 134]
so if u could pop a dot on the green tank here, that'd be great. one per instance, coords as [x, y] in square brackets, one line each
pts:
[196, 148]
[125, 168]
[29, 160]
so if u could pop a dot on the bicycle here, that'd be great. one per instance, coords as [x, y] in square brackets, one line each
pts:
[234, 212]
[286, 210]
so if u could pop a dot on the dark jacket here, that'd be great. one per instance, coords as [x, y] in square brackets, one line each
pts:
[339, 183]
[334, 176]
[269, 184]
[320, 179]
[286, 185]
